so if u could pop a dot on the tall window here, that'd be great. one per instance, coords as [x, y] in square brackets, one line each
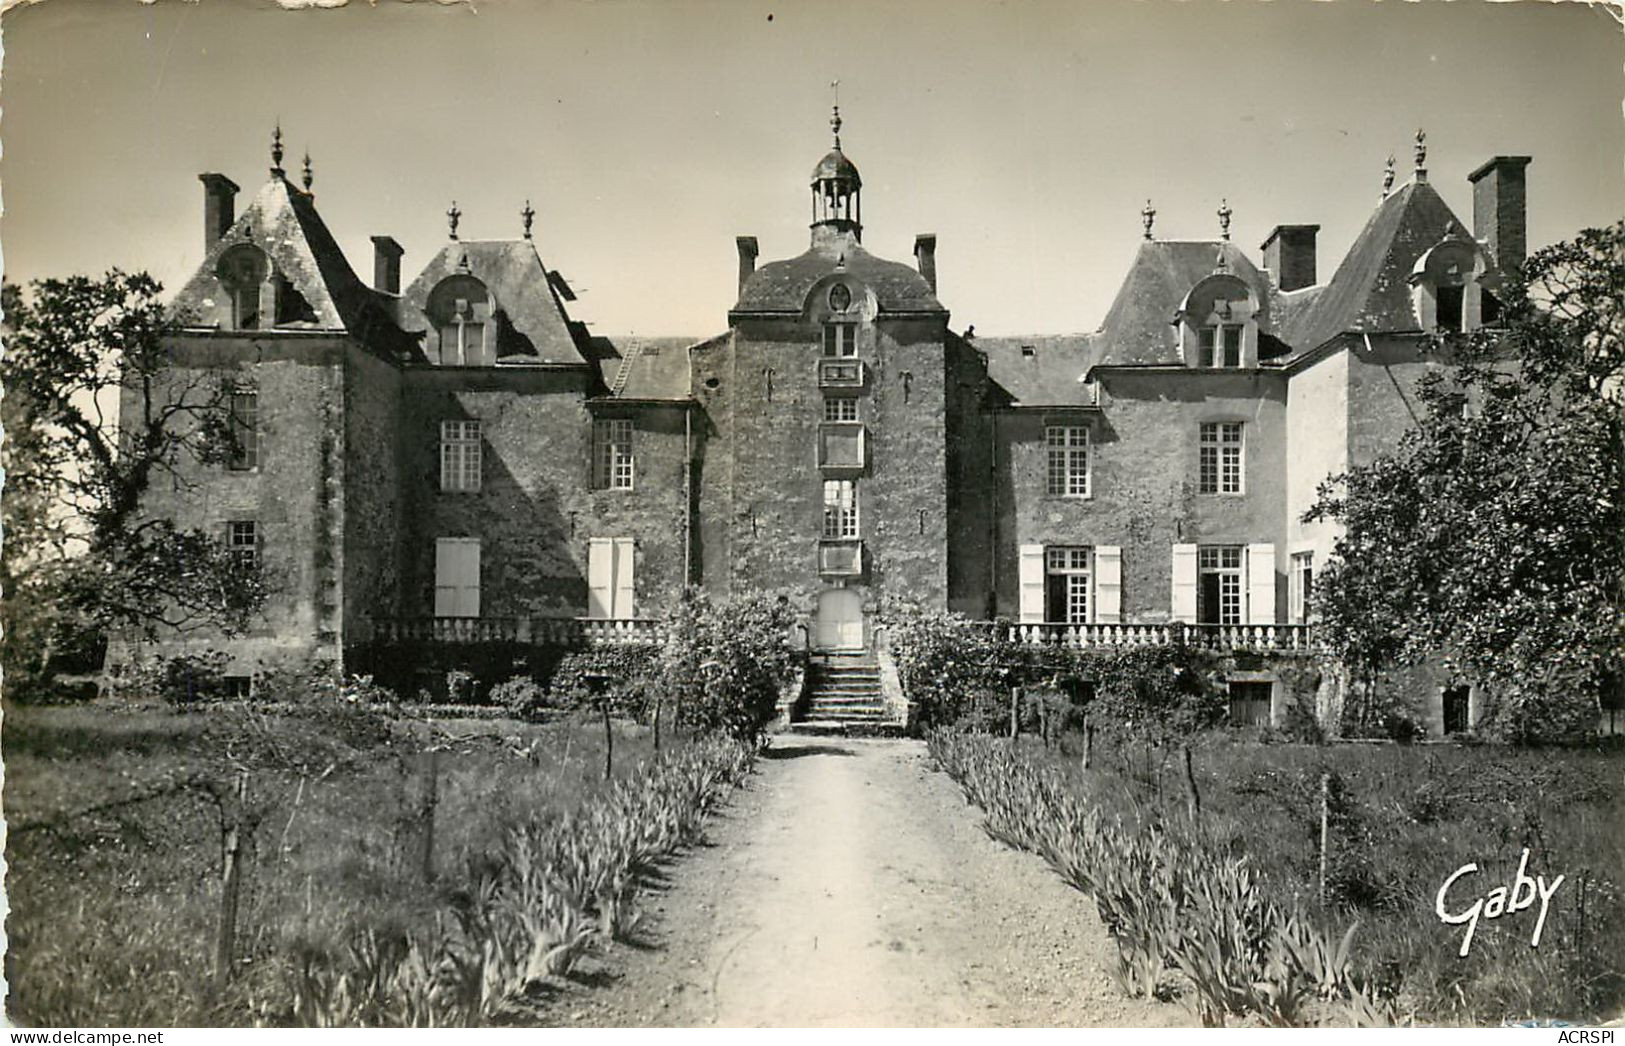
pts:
[611, 585]
[1066, 585]
[612, 453]
[242, 269]
[840, 508]
[840, 339]
[1068, 467]
[1300, 586]
[1221, 345]
[243, 540]
[1218, 585]
[1221, 457]
[245, 430]
[459, 455]
[841, 408]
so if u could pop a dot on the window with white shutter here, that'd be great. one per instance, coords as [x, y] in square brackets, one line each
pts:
[1261, 584]
[1109, 584]
[457, 577]
[1182, 601]
[611, 585]
[1031, 574]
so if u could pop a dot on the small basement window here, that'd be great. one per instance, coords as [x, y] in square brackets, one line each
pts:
[1250, 702]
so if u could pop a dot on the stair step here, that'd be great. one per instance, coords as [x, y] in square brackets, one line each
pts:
[846, 699]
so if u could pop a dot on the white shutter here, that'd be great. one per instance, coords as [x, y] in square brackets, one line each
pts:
[1182, 601]
[624, 588]
[1261, 584]
[1031, 575]
[600, 577]
[1108, 584]
[457, 577]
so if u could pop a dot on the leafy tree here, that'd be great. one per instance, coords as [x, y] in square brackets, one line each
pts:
[1493, 533]
[94, 415]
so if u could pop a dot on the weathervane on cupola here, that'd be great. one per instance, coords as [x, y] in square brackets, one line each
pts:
[528, 215]
[453, 216]
[276, 151]
[1148, 215]
[837, 210]
[1224, 219]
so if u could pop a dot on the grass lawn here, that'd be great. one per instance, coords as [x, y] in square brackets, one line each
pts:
[1401, 819]
[115, 903]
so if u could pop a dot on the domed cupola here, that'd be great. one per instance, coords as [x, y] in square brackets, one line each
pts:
[835, 190]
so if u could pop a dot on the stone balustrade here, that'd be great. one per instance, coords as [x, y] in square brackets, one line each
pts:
[538, 631]
[1263, 638]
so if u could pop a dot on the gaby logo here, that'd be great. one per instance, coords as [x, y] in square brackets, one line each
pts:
[1499, 901]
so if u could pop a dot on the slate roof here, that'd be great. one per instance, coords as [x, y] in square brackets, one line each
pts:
[532, 324]
[783, 286]
[1370, 291]
[1040, 370]
[644, 368]
[1138, 328]
[282, 221]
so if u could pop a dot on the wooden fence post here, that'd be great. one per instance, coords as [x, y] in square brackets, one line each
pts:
[1015, 712]
[1193, 795]
[658, 703]
[431, 799]
[1088, 741]
[231, 880]
[1325, 828]
[609, 741]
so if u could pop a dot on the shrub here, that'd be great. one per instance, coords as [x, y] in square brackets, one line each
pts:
[723, 665]
[522, 696]
[619, 674]
[181, 681]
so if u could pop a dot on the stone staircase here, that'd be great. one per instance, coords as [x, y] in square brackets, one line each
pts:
[842, 695]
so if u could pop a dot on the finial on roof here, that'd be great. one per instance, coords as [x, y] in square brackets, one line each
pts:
[276, 151]
[528, 215]
[1224, 219]
[835, 112]
[1222, 262]
[1421, 155]
[1388, 177]
[309, 176]
[1148, 215]
[453, 216]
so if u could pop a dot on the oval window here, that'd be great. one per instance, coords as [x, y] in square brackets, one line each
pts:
[840, 297]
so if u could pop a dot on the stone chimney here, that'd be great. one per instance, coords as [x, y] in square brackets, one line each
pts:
[747, 258]
[386, 264]
[1498, 209]
[219, 207]
[925, 257]
[1289, 254]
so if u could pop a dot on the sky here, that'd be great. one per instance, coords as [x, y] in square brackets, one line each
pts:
[648, 134]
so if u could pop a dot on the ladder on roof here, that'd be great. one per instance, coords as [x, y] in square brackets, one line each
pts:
[624, 373]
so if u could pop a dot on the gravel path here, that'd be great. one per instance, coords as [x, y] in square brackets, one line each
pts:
[849, 883]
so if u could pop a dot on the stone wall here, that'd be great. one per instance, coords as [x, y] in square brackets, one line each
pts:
[1144, 461]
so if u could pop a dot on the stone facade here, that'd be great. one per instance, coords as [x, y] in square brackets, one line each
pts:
[460, 464]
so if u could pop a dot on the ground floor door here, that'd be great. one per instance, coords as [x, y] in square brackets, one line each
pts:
[840, 620]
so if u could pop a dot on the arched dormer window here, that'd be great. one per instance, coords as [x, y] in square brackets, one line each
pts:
[462, 311]
[242, 270]
[1218, 323]
[1452, 286]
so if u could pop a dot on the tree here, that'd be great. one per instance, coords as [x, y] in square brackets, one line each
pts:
[1492, 535]
[95, 413]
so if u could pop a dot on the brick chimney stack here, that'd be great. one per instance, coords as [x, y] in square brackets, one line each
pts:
[219, 206]
[1289, 254]
[747, 258]
[925, 257]
[1498, 209]
[386, 264]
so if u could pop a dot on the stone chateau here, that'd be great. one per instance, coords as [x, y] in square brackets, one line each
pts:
[454, 470]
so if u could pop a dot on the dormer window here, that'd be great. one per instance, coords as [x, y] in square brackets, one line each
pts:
[1451, 287]
[1220, 345]
[1218, 323]
[242, 270]
[461, 309]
